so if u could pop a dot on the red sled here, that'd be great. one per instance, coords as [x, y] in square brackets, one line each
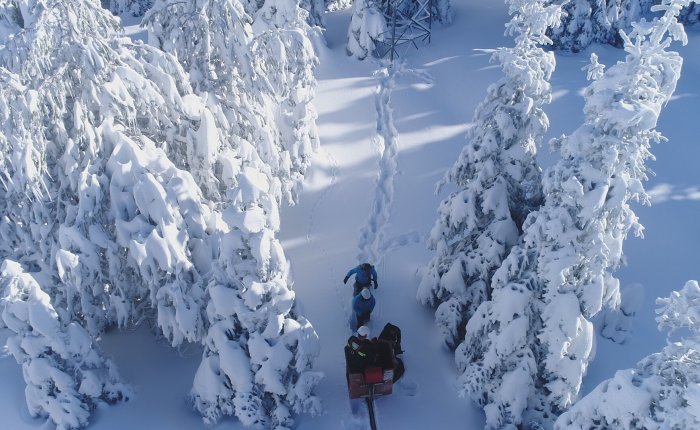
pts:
[373, 379]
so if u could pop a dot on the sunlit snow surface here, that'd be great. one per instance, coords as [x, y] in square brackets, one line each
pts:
[322, 234]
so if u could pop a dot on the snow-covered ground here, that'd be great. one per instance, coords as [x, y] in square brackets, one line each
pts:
[360, 184]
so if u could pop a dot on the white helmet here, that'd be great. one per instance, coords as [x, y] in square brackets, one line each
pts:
[363, 331]
[366, 293]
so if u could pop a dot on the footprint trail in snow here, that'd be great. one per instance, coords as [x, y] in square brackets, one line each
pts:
[372, 244]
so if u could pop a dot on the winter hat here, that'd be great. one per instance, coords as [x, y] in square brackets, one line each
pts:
[363, 331]
[366, 293]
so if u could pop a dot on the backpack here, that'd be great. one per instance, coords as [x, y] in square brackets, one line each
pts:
[392, 334]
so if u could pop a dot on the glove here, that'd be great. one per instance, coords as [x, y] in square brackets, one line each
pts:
[345, 281]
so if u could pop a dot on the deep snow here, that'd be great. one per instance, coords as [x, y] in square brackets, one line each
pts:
[322, 235]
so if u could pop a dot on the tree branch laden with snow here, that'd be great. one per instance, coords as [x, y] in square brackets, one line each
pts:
[663, 392]
[66, 374]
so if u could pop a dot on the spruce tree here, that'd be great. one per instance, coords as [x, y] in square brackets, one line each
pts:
[258, 350]
[496, 174]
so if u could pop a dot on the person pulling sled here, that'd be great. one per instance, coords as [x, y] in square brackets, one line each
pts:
[365, 275]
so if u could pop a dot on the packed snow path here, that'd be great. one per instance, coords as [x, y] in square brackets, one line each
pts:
[373, 244]
[372, 234]
[349, 213]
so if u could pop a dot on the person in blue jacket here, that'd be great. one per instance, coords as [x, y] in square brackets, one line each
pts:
[362, 305]
[364, 276]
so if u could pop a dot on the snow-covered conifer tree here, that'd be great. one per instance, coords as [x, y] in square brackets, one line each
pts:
[214, 41]
[442, 11]
[663, 392]
[97, 205]
[284, 62]
[527, 349]
[366, 25]
[498, 178]
[133, 7]
[258, 350]
[589, 21]
[211, 39]
[315, 12]
[89, 213]
[333, 5]
[65, 373]
[80, 108]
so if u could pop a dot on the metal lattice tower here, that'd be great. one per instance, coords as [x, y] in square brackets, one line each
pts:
[408, 22]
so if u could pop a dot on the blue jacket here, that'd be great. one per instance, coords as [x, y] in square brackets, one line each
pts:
[360, 305]
[361, 276]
